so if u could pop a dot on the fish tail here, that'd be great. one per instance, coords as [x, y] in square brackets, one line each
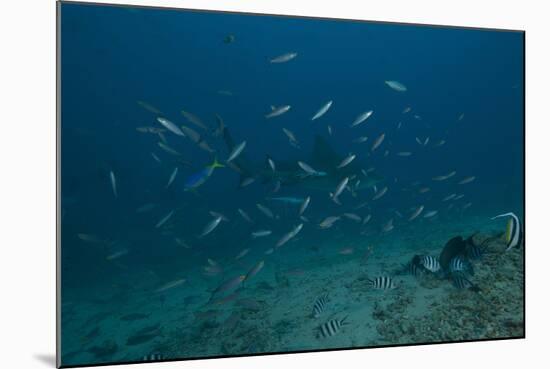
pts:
[475, 288]
[216, 164]
[504, 215]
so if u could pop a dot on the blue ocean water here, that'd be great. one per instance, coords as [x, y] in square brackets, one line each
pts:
[132, 287]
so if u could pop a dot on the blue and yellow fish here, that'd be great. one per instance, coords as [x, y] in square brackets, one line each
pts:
[198, 179]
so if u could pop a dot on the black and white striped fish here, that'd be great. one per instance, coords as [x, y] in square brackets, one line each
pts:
[331, 327]
[413, 269]
[382, 283]
[320, 305]
[461, 282]
[153, 357]
[513, 235]
[475, 252]
[430, 263]
[458, 264]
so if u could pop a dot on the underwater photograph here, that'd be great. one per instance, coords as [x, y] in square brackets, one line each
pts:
[237, 184]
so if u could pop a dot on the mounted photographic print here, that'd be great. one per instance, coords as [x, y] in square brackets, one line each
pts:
[236, 184]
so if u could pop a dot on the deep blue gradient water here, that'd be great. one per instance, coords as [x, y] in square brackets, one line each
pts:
[113, 57]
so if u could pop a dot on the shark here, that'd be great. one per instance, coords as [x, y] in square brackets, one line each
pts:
[323, 158]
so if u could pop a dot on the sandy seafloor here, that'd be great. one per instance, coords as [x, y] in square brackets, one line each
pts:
[272, 312]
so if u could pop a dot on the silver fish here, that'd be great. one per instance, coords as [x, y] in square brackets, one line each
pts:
[287, 237]
[236, 151]
[444, 177]
[450, 197]
[267, 212]
[172, 177]
[353, 217]
[194, 119]
[261, 233]
[322, 111]
[245, 215]
[361, 139]
[271, 164]
[211, 226]
[341, 186]
[284, 58]
[430, 214]
[388, 226]
[397, 86]
[366, 219]
[255, 270]
[113, 183]
[228, 285]
[404, 153]
[247, 181]
[164, 219]
[149, 107]
[329, 222]
[217, 214]
[416, 213]
[361, 118]
[309, 170]
[467, 180]
[170, 126]
[168, 149]
[242, 254]
[146, 207]
[219, 131]
[380, 193]
[155, 157]
[117, 254]
[275, 112]
[170, 285]
[378, 142]
[346, 161]
[304, 205]
[291, 136]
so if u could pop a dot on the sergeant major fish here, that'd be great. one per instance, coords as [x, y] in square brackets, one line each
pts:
[320, 305]
[382, 283]
[430, 263]
[331, 327]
